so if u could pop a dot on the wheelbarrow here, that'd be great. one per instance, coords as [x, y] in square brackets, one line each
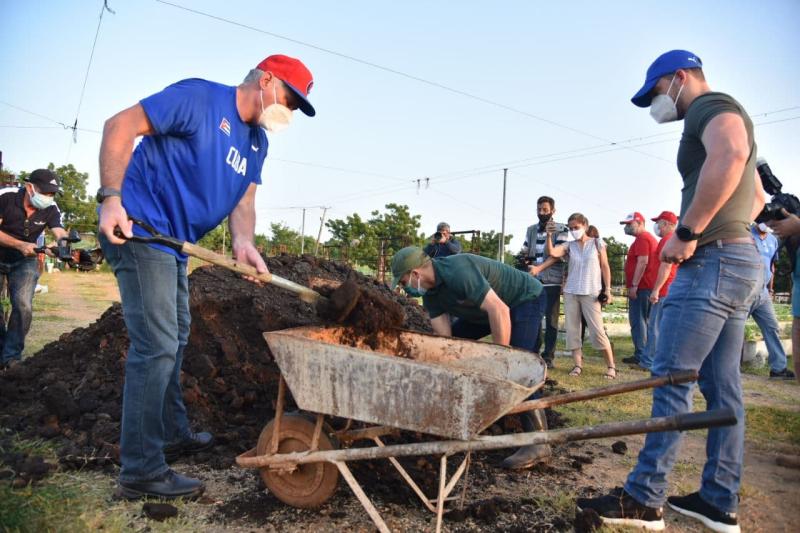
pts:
[450, 389]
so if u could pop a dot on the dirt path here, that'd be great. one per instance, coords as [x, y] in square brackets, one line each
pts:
[73, 300]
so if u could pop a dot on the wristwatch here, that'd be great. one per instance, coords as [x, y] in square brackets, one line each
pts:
[105, 192]
[686, 234]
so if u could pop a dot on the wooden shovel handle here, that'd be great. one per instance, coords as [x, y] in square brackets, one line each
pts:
[306, 294]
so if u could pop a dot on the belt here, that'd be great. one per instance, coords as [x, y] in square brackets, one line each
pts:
[737, 240]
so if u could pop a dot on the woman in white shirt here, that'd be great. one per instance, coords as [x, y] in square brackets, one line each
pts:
[588, 270]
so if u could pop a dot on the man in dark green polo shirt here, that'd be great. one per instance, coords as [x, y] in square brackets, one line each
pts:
[485, 297]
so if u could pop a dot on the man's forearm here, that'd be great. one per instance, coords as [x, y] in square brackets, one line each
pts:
[441, 325]
[641, 266]
[242, 220]
[661, 277]
[500, 324]
[115, 154]
[7, 241]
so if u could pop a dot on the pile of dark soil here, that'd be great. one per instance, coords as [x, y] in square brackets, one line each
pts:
[71, 390]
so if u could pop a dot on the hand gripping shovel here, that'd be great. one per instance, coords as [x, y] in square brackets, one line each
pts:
[336, 307]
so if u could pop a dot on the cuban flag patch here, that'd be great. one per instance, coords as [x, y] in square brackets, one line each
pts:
[225, 126]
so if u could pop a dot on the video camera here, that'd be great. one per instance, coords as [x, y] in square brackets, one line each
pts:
[437, 236]
[773, 210]
[63, 248]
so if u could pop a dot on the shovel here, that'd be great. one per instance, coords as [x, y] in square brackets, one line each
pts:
[337, 307]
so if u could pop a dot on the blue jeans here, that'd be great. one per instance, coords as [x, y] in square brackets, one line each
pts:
[764, 314]
[155, 303]
[702, 328]
[646, 359]
[552, 309]
[21, 277]
[638, 314]
[526, 319]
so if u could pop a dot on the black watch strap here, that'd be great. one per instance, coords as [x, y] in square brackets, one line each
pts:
[686, 234]
[105, 192]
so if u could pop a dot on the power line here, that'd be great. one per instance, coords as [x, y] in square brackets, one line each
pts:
[404, 75]
[49, 119]
[339, 169]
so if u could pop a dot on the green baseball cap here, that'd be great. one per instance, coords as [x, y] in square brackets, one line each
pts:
[405, 260]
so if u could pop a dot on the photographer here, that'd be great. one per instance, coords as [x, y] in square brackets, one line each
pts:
[442, 242]
[24, 214]
[788, 228]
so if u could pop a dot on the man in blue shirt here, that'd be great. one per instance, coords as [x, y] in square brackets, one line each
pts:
[762, 310]
[199, 161]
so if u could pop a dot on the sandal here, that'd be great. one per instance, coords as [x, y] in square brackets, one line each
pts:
[576, 371]
[612, 373]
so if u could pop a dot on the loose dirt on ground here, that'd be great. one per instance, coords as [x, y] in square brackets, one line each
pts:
[68, 396]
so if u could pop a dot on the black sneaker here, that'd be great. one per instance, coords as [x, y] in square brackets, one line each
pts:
[632, 360]
[193, 443]
[783, 374]
[711, 517]
[619, 508]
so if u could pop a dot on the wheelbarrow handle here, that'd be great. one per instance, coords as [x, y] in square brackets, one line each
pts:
[683, 376]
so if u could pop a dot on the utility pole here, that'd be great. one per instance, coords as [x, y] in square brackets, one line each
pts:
[501, 248]
[319, 235]
[303, 233]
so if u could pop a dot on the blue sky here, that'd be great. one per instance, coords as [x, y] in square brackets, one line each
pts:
[572, 63]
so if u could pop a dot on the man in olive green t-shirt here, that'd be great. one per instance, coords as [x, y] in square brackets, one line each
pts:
[485, 297]
[702, 319]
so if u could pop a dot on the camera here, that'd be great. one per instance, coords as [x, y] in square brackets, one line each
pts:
[437, 236]
[773, 210]
[522, 261]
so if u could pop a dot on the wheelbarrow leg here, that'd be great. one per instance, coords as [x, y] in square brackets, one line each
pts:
[362, 497]
[440, 500]
[273, 449]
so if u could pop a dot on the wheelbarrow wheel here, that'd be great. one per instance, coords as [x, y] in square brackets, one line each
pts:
[309, 485]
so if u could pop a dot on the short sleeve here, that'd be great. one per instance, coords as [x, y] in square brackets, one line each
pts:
[54, 218]
[179, 109]
[715, 105]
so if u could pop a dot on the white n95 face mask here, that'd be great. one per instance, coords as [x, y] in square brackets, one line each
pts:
[663, 108]
[657, 229]
[275, 117]
[577, 233]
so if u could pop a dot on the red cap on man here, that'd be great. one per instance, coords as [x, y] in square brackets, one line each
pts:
[668, 216]
[633, 217]
[295, 75]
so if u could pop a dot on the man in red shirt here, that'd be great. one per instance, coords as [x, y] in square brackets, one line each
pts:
[641, 267]
[665, 224]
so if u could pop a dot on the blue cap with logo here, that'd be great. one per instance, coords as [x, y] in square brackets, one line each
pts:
[665, 64]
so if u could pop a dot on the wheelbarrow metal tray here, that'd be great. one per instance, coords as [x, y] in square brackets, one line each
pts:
[441, 386]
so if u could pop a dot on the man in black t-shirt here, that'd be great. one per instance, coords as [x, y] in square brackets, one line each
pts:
[24, 215]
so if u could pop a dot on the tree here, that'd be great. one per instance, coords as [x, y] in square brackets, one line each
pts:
[488, 243]
[617, 252]
[283, 235]
[78, 210]
[395, 228]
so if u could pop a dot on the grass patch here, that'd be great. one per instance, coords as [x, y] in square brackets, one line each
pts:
[771, 424]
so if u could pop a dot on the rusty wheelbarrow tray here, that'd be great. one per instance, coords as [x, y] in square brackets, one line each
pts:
[448, 388]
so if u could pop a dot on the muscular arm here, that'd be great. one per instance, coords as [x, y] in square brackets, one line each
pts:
[727, 150]
[119, 134]
[242, 222]
[499, 318]
[441, 325]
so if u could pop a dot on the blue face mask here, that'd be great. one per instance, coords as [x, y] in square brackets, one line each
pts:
[41, 201]
[415, 292]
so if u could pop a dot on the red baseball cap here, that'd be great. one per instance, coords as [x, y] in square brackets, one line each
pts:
[669, 216]
[295, 75]
[633, 217]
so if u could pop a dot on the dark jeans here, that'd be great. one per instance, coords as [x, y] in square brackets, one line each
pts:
[21, 277]
[155, 303]
[638, 315]
[525, 321]
[552, 310]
